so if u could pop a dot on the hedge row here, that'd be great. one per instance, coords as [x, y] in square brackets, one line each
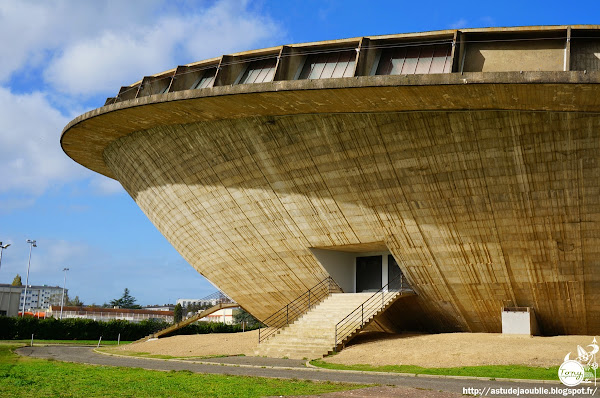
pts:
[12, 328]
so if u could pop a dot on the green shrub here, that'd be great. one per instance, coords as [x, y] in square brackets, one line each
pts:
[17, 328]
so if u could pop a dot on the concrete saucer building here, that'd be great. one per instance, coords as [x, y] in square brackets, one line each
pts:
[468, 160]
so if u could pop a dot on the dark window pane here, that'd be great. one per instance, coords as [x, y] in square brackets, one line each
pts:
[329, 65]
[259, 71]
[424, 62]
[414, 60]
[206, 79]
[441, 57]
[410, 64]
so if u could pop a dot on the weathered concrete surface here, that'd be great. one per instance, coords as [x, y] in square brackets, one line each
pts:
[483, 185]
[482, 209]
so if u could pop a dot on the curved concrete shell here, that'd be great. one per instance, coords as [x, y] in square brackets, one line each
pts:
[479, 171]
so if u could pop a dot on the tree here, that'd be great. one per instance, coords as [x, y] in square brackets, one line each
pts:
[75, 302]
[17, 281]
[244, 316]
[194, 308]
[177, 313]
[56, 299]
[126, 301]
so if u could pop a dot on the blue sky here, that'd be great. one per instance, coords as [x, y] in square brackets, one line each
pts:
[62, 58]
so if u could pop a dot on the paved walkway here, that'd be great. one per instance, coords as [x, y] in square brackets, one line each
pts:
[255, 361]
[263, 367]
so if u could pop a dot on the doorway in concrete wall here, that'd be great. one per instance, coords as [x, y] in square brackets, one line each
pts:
[358, 268]
[368, 273]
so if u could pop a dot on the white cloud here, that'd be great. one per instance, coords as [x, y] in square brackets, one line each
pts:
[85, 48]
[105, 186]
[31, 159]
[31, 28]
[121, 56]
[460, 24]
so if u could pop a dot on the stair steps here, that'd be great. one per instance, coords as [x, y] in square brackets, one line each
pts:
[313, 335]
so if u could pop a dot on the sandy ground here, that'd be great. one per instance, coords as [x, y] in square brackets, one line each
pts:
[459, 349]
[427, 350]
[199, 345]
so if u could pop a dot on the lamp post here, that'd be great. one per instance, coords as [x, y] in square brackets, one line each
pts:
[62, 300]
[32, 244]
[1, 249]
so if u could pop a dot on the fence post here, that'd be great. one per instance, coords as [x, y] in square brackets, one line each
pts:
[309, 299]
[287, 313]
[335, 341]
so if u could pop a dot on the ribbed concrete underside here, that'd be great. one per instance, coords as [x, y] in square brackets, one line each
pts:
[480, 209]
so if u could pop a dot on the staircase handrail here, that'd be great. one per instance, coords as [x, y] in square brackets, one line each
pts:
[218, 297]
[297, 307]
[368, 308]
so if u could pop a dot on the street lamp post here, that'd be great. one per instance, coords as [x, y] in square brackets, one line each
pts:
[32, 244]
[1, 249]
[62, 300]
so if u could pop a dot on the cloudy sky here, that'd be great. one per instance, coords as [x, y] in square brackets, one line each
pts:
[62, 58]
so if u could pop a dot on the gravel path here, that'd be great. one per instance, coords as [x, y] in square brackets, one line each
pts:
[258, 361]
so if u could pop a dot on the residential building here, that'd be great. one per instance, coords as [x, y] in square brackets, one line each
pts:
[107, 314]
[41, 297]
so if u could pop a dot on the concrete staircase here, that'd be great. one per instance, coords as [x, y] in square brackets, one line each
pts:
[313, 334]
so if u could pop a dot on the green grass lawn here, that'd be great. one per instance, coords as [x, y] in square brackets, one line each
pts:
[491, 371]
[31, 377]
[73, 342]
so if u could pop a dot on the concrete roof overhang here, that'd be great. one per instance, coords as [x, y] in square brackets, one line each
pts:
[85, 138]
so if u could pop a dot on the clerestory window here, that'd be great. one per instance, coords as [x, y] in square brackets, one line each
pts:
[329, 65]
[409, 60]
[259, 72]
[205, 79]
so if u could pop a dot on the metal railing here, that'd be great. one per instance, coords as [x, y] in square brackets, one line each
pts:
[294, 309]
[364, 312]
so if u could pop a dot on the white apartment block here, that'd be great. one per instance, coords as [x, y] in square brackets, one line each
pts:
[224, 315]
[39, 297]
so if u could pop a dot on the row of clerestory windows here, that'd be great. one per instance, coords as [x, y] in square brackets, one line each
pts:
[325, 64]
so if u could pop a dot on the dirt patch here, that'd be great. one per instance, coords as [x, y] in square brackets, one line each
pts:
[458, 349]
[198, 345]
[427, 350]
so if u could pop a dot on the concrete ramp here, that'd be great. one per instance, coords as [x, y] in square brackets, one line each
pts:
[188, 321]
